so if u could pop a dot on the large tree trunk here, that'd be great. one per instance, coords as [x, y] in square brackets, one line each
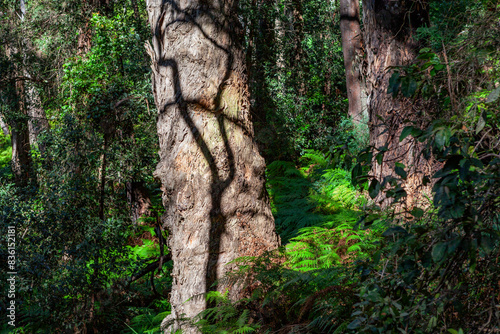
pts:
[353, 54]
[389, 31]
[211, 172]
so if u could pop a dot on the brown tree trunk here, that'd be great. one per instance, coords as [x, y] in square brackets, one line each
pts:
[389, 31]
[211, 172]
[353, 54]
[139, 201]
[21, 150]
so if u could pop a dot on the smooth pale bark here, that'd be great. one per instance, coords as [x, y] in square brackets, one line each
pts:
[5, 128]
[212, 175]
[353, 54]
[389, 31]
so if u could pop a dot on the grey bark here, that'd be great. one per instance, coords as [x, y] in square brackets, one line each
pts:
[5, 128]
[389, 30]
[21, 157]
[212, 174]
[353, 54]
[37, 118]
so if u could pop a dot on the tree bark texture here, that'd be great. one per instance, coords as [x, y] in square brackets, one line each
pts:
[21, 149]
[37, 118]
[5, 128]
[389, 30]
[212, 175]
[138, 200]
[353, 53]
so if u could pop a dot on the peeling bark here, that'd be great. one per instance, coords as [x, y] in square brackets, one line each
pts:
[212, 175]
[389, 29]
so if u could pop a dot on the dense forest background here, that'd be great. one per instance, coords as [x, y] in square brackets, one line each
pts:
[389, 222]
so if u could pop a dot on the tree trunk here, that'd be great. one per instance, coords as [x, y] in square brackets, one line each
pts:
[212, 175]
[21, 150]
[21, 161]
[37, 118]
[352, 49]
[389, 30]
[5, 128]
[138, 200]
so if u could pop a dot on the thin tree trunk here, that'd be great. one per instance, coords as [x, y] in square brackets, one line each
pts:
[102, 178]
[212, 175]
[353, 53]
[21, 150]
[389, 30]
[139, 200]
[4, 127]
[38, 122]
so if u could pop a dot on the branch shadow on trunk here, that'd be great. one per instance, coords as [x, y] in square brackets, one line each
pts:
[218, 216]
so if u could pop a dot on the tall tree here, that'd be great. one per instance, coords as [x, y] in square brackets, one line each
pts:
[211, 171]
[389, 38]
[16, 114]
[352, 49]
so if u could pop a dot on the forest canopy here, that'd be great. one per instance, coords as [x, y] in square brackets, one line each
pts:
[281, 166]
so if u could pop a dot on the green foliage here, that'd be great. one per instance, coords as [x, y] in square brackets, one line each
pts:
[225, 317]
[435, 267]
[311, 195]
[296, 74]
[147, 322]
[5, 151]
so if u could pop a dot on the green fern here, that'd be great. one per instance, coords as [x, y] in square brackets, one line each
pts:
[225, 317]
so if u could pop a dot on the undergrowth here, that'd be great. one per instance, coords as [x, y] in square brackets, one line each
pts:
[309, 285]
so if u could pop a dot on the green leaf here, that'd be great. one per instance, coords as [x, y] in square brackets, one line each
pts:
[374, 188]
[453, 244]
[439, 251]
[356, 323]
[394, 230]
[412, 87]
[394, 83]
[487, 244]
[417, 212]
[495, 93]
[481, 122]
[357, 171]
[443, 137]
[406, 132]
[401, 172]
